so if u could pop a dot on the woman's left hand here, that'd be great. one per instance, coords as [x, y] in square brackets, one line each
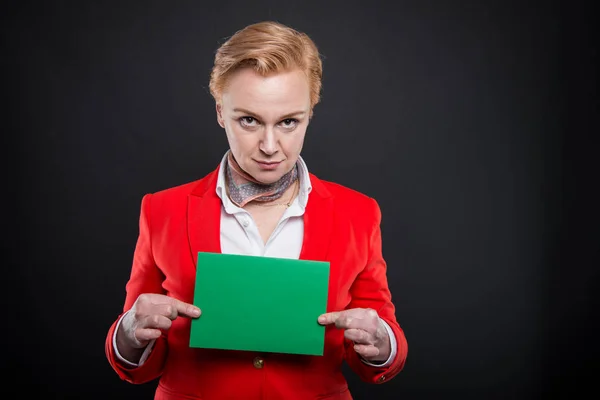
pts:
[364, 327]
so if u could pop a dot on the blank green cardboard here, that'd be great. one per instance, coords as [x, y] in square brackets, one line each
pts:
[261, 304]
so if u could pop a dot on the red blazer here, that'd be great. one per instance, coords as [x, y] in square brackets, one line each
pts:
[341, 226]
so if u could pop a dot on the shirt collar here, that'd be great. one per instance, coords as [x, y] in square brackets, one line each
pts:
[301, 200]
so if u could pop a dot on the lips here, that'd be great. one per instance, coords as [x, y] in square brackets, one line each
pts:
[268, 164]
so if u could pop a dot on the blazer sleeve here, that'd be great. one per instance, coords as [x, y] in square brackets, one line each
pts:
[145, 277]
[370, 290]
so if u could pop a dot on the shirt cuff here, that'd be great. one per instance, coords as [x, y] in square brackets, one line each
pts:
[145, 354]
[393, 346]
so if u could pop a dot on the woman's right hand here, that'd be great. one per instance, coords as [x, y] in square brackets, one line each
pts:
[150, 315]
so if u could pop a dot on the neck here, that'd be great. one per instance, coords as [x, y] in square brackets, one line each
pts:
[243, 188]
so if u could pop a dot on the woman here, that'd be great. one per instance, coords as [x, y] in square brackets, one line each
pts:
[260, 200]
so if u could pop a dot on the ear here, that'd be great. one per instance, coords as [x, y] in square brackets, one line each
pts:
[220, 115]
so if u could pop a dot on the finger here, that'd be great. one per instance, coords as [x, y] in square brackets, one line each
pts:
[366, 351]
[167, 310]
[347, 319]
[359, 336]
[145, 334]
[367, 324]
[155, 321]
[330, 318]
[367, 320]
[183, 309]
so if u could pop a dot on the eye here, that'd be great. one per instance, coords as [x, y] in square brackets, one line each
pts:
[248, 121]
[289, 123]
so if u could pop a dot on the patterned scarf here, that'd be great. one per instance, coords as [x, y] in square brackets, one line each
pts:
[243, 188]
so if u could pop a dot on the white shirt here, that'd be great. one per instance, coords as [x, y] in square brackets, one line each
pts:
[240, 235]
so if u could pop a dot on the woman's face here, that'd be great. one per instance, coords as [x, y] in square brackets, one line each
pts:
[265, 119]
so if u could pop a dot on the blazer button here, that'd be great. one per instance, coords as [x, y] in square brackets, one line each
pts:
[258, 363]
[381, 378]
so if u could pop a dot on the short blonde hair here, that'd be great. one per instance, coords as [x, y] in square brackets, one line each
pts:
[267, 47]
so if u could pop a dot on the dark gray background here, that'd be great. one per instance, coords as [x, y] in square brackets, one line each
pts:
[469, 121]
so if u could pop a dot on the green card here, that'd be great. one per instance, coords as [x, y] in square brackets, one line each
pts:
[260, 304]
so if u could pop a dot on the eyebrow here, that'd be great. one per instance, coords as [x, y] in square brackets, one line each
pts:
[292, 114]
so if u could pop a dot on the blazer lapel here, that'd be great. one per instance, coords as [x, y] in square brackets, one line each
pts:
[204, 217]
[318, 222]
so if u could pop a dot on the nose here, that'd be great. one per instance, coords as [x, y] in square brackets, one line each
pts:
[268, 144]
